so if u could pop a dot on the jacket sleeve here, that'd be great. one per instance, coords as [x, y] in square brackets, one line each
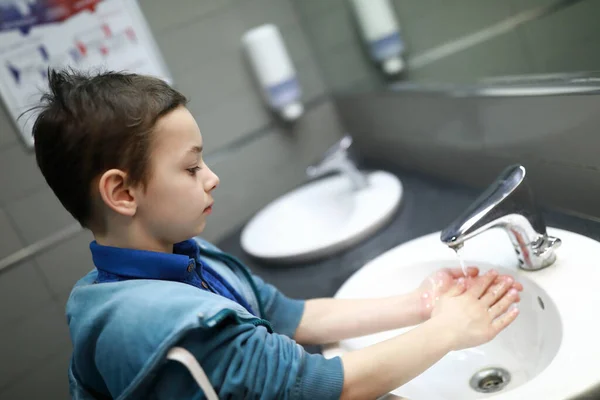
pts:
[283, 313]
[243, 361]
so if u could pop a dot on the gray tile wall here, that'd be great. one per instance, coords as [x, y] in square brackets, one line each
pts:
[555, 137]
[564, 41]
[200, 41]
[471, 140]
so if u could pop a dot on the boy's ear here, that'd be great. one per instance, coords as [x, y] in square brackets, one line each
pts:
[116, 193]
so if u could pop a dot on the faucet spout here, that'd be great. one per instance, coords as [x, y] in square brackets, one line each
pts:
[508, 203]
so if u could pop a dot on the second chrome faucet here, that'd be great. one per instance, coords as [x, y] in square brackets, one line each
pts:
[336, 159]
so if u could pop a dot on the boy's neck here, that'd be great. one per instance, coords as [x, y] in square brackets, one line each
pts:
[130, 239]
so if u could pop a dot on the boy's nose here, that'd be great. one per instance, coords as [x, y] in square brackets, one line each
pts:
[213, 181]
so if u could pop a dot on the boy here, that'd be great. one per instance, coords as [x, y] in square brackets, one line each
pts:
[124, 157]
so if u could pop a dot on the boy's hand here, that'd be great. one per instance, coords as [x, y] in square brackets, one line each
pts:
[475, 315]
[440, 282]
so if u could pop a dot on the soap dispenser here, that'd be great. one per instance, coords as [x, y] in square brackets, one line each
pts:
[274, 71]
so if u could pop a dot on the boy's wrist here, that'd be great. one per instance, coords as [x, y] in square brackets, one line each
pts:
[409, 308]
[445, 336]
[420, 303]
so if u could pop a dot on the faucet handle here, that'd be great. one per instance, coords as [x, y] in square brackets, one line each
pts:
[545, 250]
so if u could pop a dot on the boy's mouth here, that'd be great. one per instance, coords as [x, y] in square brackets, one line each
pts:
[208, 209]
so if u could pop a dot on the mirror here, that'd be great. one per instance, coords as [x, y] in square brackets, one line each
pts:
[458, 41]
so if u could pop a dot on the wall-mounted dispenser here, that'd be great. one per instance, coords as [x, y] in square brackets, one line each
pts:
[274, 70]
[381, 32]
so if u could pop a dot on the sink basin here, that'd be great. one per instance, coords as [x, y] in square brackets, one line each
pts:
[321, 217]
[550, 351]
[524, 349]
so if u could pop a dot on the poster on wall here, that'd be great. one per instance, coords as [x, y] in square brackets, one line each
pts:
[96, 35]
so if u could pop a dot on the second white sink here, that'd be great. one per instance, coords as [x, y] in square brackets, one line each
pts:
[321, 217]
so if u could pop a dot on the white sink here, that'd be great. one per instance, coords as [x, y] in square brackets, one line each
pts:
[321, 217]
[550, 352]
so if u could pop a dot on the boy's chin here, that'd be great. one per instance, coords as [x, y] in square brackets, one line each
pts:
[200, 228]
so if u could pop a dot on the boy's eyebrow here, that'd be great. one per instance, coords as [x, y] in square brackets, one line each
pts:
[196, 149]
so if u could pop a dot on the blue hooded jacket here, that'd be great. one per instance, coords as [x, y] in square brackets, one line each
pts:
[122, 327]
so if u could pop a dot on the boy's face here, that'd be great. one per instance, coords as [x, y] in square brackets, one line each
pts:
[178, 196]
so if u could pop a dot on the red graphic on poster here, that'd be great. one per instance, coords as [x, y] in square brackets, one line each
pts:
[36, 35]
[23, 15]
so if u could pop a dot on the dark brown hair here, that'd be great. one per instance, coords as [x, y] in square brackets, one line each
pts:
[88, 124]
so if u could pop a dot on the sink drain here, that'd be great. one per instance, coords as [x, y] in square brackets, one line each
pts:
[490, 380]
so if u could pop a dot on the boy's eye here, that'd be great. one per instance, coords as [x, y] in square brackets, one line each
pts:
[194, 170]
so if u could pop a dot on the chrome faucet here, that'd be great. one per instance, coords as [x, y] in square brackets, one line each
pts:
[507, 203]
[336, 159]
